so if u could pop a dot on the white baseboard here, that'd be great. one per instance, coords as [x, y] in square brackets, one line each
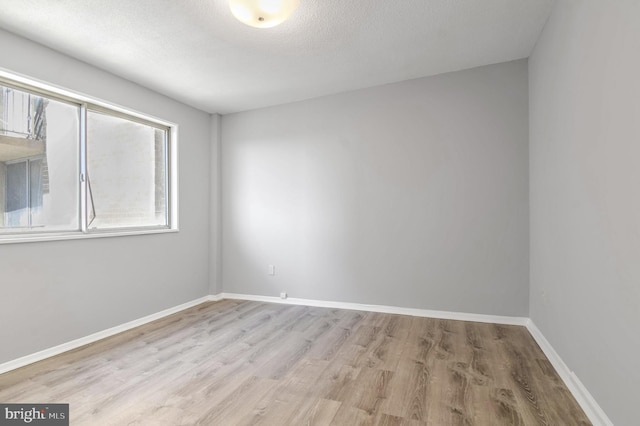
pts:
[460, 316]
[589, 405]
[214, 297]
[74, 344]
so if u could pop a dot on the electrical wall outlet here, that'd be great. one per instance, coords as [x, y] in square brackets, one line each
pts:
[272, 269]
[283, 295]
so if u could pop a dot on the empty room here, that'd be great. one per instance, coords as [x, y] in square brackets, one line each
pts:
[299, 212]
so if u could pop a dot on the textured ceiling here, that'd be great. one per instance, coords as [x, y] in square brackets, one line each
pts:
[196, 52]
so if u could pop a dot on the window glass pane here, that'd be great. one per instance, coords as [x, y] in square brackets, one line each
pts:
[39, 140]
[16, 211]
[126, 168]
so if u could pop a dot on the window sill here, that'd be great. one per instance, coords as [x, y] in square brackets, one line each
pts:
[77, 235]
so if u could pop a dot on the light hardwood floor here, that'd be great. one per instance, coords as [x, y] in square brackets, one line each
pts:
[250, 363]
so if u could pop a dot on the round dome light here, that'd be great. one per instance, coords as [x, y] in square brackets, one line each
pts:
[262, 13]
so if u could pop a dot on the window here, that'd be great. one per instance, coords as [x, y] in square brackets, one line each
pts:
[73, 167]
[39, 146]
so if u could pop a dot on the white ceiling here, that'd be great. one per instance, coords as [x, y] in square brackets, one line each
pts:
[196, 52]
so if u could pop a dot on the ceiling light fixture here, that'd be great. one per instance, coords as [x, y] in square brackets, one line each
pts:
[262, 13]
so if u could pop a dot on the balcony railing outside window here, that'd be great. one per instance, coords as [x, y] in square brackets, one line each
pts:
[22, 114]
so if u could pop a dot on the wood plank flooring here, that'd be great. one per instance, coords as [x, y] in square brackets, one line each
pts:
[249, 363]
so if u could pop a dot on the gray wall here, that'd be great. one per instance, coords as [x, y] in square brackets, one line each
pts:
[215, 241]
[413, 194]
[585, 202]
[3, 170]
[53, 292]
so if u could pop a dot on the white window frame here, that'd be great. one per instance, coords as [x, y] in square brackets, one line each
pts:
[86, 103]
